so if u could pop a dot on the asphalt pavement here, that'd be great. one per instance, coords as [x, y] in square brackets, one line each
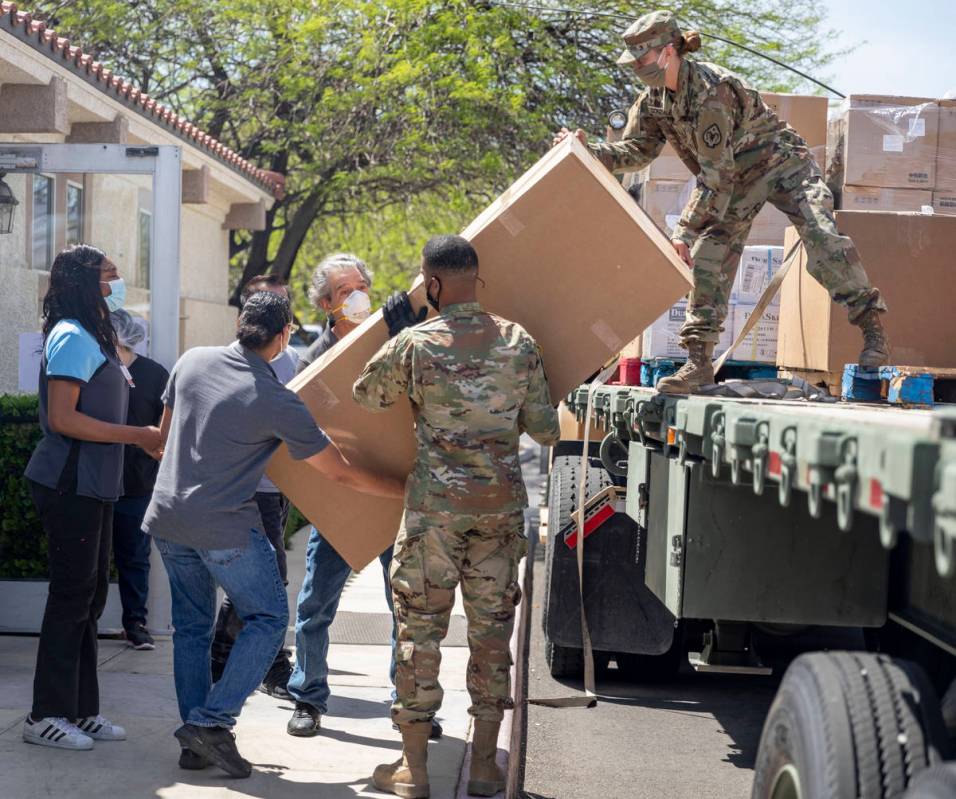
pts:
[693, 738]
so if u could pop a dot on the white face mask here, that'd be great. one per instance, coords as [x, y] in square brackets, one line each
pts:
[356, 308]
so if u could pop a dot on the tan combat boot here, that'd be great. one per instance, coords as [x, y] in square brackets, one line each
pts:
[485, 778]
[408, 776]
[876, 348]
[697, 372]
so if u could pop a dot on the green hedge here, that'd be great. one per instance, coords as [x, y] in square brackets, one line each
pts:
[22, 540]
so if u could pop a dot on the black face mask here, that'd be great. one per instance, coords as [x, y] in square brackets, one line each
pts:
[433, 301]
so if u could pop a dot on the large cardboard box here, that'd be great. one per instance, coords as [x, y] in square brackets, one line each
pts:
[944, 203]
[757, 267]
[760, 344]
[890, 142]
[910, 258]
[661, 338]
[806, 114]
[873, 198]
[568, 254]
[946, 149]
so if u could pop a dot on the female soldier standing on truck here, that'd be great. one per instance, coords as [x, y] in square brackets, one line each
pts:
[743, 156]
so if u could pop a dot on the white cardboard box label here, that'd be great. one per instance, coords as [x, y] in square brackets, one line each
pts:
[893, 143]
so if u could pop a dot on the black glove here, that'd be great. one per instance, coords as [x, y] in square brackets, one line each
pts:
[399, 314]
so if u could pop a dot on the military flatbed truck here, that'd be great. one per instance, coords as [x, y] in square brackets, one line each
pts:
[736, 519]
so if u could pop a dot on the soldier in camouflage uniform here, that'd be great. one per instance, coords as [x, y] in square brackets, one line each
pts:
[743, 156]
[475, 382]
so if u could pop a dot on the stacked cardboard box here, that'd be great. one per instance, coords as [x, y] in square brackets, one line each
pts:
[760, 344]
[757, 267]
[894, 154]
[944, 194]
[661, 338]
[874, 198]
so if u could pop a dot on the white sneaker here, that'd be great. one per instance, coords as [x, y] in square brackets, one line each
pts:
[56, 732]
[101, 729]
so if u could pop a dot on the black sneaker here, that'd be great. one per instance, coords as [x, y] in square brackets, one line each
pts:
[305, 721]
[138, 637]
[217, 745]
[277, 679]
[434, 735]
[189, 760]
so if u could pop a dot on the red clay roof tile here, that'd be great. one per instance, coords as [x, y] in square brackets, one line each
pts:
[35, 32]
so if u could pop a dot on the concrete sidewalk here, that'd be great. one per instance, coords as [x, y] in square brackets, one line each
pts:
[137, 692]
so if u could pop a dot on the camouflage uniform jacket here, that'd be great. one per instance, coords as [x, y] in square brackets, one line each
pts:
[721, 129]
[476, 382]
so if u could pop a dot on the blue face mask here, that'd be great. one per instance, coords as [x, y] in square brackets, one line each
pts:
[117, 294]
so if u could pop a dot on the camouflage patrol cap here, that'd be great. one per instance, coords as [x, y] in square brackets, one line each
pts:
[652, 30]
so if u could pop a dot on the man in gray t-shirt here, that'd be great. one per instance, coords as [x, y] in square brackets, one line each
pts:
[226, 414]
[229, 414]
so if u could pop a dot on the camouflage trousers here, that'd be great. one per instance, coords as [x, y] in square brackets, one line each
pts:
[797, 189]
[434, 553]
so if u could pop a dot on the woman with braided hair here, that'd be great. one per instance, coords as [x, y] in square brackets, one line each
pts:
[75, 476]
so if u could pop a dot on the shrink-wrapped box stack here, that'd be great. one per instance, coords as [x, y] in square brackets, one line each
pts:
[891, 153]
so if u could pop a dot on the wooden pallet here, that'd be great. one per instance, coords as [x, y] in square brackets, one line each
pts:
[913, 386]
[831, 381]
[654, 369]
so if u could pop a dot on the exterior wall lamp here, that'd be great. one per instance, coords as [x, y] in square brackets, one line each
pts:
[7, 205]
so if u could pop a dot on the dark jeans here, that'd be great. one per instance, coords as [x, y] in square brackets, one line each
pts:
[78, 533]
[131, 554]
[274, 510]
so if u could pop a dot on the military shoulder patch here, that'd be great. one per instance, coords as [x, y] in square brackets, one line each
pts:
[712, 136]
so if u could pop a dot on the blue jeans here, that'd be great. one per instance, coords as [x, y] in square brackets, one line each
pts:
[325, 576]
[250, 576]
[131, 553]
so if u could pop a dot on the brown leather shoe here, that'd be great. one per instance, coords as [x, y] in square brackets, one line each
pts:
[485, 778]
[408, 776]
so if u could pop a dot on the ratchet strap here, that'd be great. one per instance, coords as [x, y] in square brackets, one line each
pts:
[588, 698]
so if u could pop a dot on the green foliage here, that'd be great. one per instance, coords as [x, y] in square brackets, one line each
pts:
[22, 540]
[390, 240]
[415, 104]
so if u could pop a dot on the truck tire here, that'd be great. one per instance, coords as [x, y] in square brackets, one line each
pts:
[562, 502]
[564, 661]
[848, 724]
[938, 782]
